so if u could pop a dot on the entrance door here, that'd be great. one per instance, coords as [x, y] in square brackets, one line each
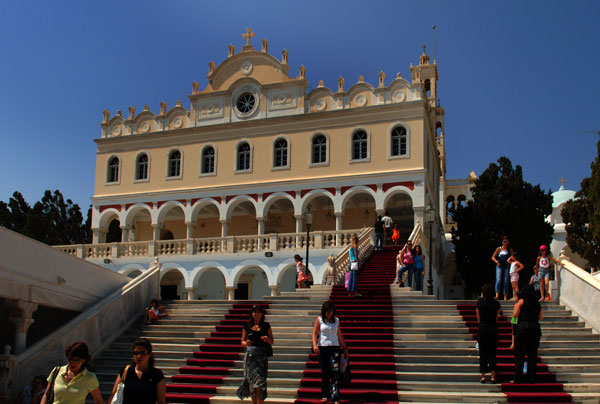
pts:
[168, 292]
[241, 293]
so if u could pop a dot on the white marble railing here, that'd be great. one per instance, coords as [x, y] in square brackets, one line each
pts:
[579, 291]
[214, 245]
[342, 260]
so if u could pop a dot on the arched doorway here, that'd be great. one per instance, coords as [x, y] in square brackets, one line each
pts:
[243, 219]
[171, 285]
[279, 217]
[321, 208]
[252, 284]
[210, 285]
[114, 233]
[287, 279]
[399, 207]
[359, 211]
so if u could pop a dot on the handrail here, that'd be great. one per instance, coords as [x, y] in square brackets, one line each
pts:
[342, 259]
[579, 291]
[98, 326]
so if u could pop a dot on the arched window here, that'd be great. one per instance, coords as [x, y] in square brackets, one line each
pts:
[175, 163]
[399, 141]
[319, 149]
[113, 170]
[208, 160]
[461, 201]
[281, 153]
[243, 157]
[141, 169]
[359, 145]
[450, 209]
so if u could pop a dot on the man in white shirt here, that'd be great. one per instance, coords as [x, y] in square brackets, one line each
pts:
[388, 228]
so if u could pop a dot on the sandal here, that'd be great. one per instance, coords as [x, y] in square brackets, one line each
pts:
[482, 380]
[324, 400]
[493, 379]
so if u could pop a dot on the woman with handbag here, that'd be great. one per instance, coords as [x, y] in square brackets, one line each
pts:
[327, 339]
[71, 383]
[257, 338]
[354, 265]
[142, 383]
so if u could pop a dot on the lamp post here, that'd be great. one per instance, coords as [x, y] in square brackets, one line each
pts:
[429, 218]
[308, 217]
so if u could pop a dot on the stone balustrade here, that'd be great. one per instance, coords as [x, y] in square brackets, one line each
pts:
[214, 245]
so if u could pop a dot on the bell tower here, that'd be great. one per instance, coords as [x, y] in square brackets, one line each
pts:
[427, 75]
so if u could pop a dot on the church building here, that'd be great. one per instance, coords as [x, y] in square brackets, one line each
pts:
[219, 186]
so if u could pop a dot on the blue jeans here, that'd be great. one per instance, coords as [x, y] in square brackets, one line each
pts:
[502, 279]
[353, 282]
[411, 272]
[418, 273]
[379, 240]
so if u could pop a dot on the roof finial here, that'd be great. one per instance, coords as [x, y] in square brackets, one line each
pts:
[265, 45]
[424, 60]
[562, 182]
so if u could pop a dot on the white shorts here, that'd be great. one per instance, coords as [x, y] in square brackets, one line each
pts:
[514, 277]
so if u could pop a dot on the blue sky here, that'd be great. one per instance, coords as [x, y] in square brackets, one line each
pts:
[517, 78]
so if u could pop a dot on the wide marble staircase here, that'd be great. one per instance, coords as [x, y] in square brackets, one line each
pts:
[404, 347]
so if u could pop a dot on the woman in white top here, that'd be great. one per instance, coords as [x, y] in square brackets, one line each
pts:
[326, 339]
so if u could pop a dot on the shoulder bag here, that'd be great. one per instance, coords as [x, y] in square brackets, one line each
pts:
[50, 397]
[118, 397]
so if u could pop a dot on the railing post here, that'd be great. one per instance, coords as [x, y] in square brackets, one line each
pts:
[189, 247]
[114, 250]
[80, 251]
[230, 245]
[273, 242]
[152, 248]
[318, 239]
[7, 372]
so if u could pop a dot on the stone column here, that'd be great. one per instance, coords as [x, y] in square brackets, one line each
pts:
[230, 291]
[191, 293]
[299, 230]
[339, 217]
[125, 234]
[224, 233]
[274, 290]
[96, 236]
[21, 315]
[156, 228]
[7, 372]
[189, 235]
[260, 221]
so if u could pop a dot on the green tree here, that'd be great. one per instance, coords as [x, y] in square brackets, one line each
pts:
[582, 217]
[503, 204]
[52, 220]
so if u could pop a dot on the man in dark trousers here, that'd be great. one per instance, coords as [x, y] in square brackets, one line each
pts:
[379, 233]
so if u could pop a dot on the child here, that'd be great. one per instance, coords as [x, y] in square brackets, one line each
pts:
[300, 272]
[514, 321]
[543, 263]
[396, 235]
[154, 312]
[535, 281]
[515, 267]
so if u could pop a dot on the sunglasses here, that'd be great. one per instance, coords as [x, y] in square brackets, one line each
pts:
[140, 353]
[75, 360]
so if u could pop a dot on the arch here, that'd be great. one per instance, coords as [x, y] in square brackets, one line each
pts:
[166, 207]
[399, 205]
[234, 202]
[450, 209]
[247, 264]
[132, 212]
[197, 272]
[172, 277]
[107, 216]
[398, 189]
[461, 201]
[312, 194]
[208, 167]
[201, 204]
[113, 169]
[359, 189]
[278, 213]
[241, 215]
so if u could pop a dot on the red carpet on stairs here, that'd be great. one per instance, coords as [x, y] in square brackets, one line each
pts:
[546, 390]
[198, 381]
[367, 323]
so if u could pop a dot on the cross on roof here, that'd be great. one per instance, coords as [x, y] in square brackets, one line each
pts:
[424, 46]
[249, 34]
[562, 181]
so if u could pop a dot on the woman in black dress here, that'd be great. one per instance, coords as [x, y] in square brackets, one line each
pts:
[144, 384]
[257, 338]
[527, 337]
[488, 310]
